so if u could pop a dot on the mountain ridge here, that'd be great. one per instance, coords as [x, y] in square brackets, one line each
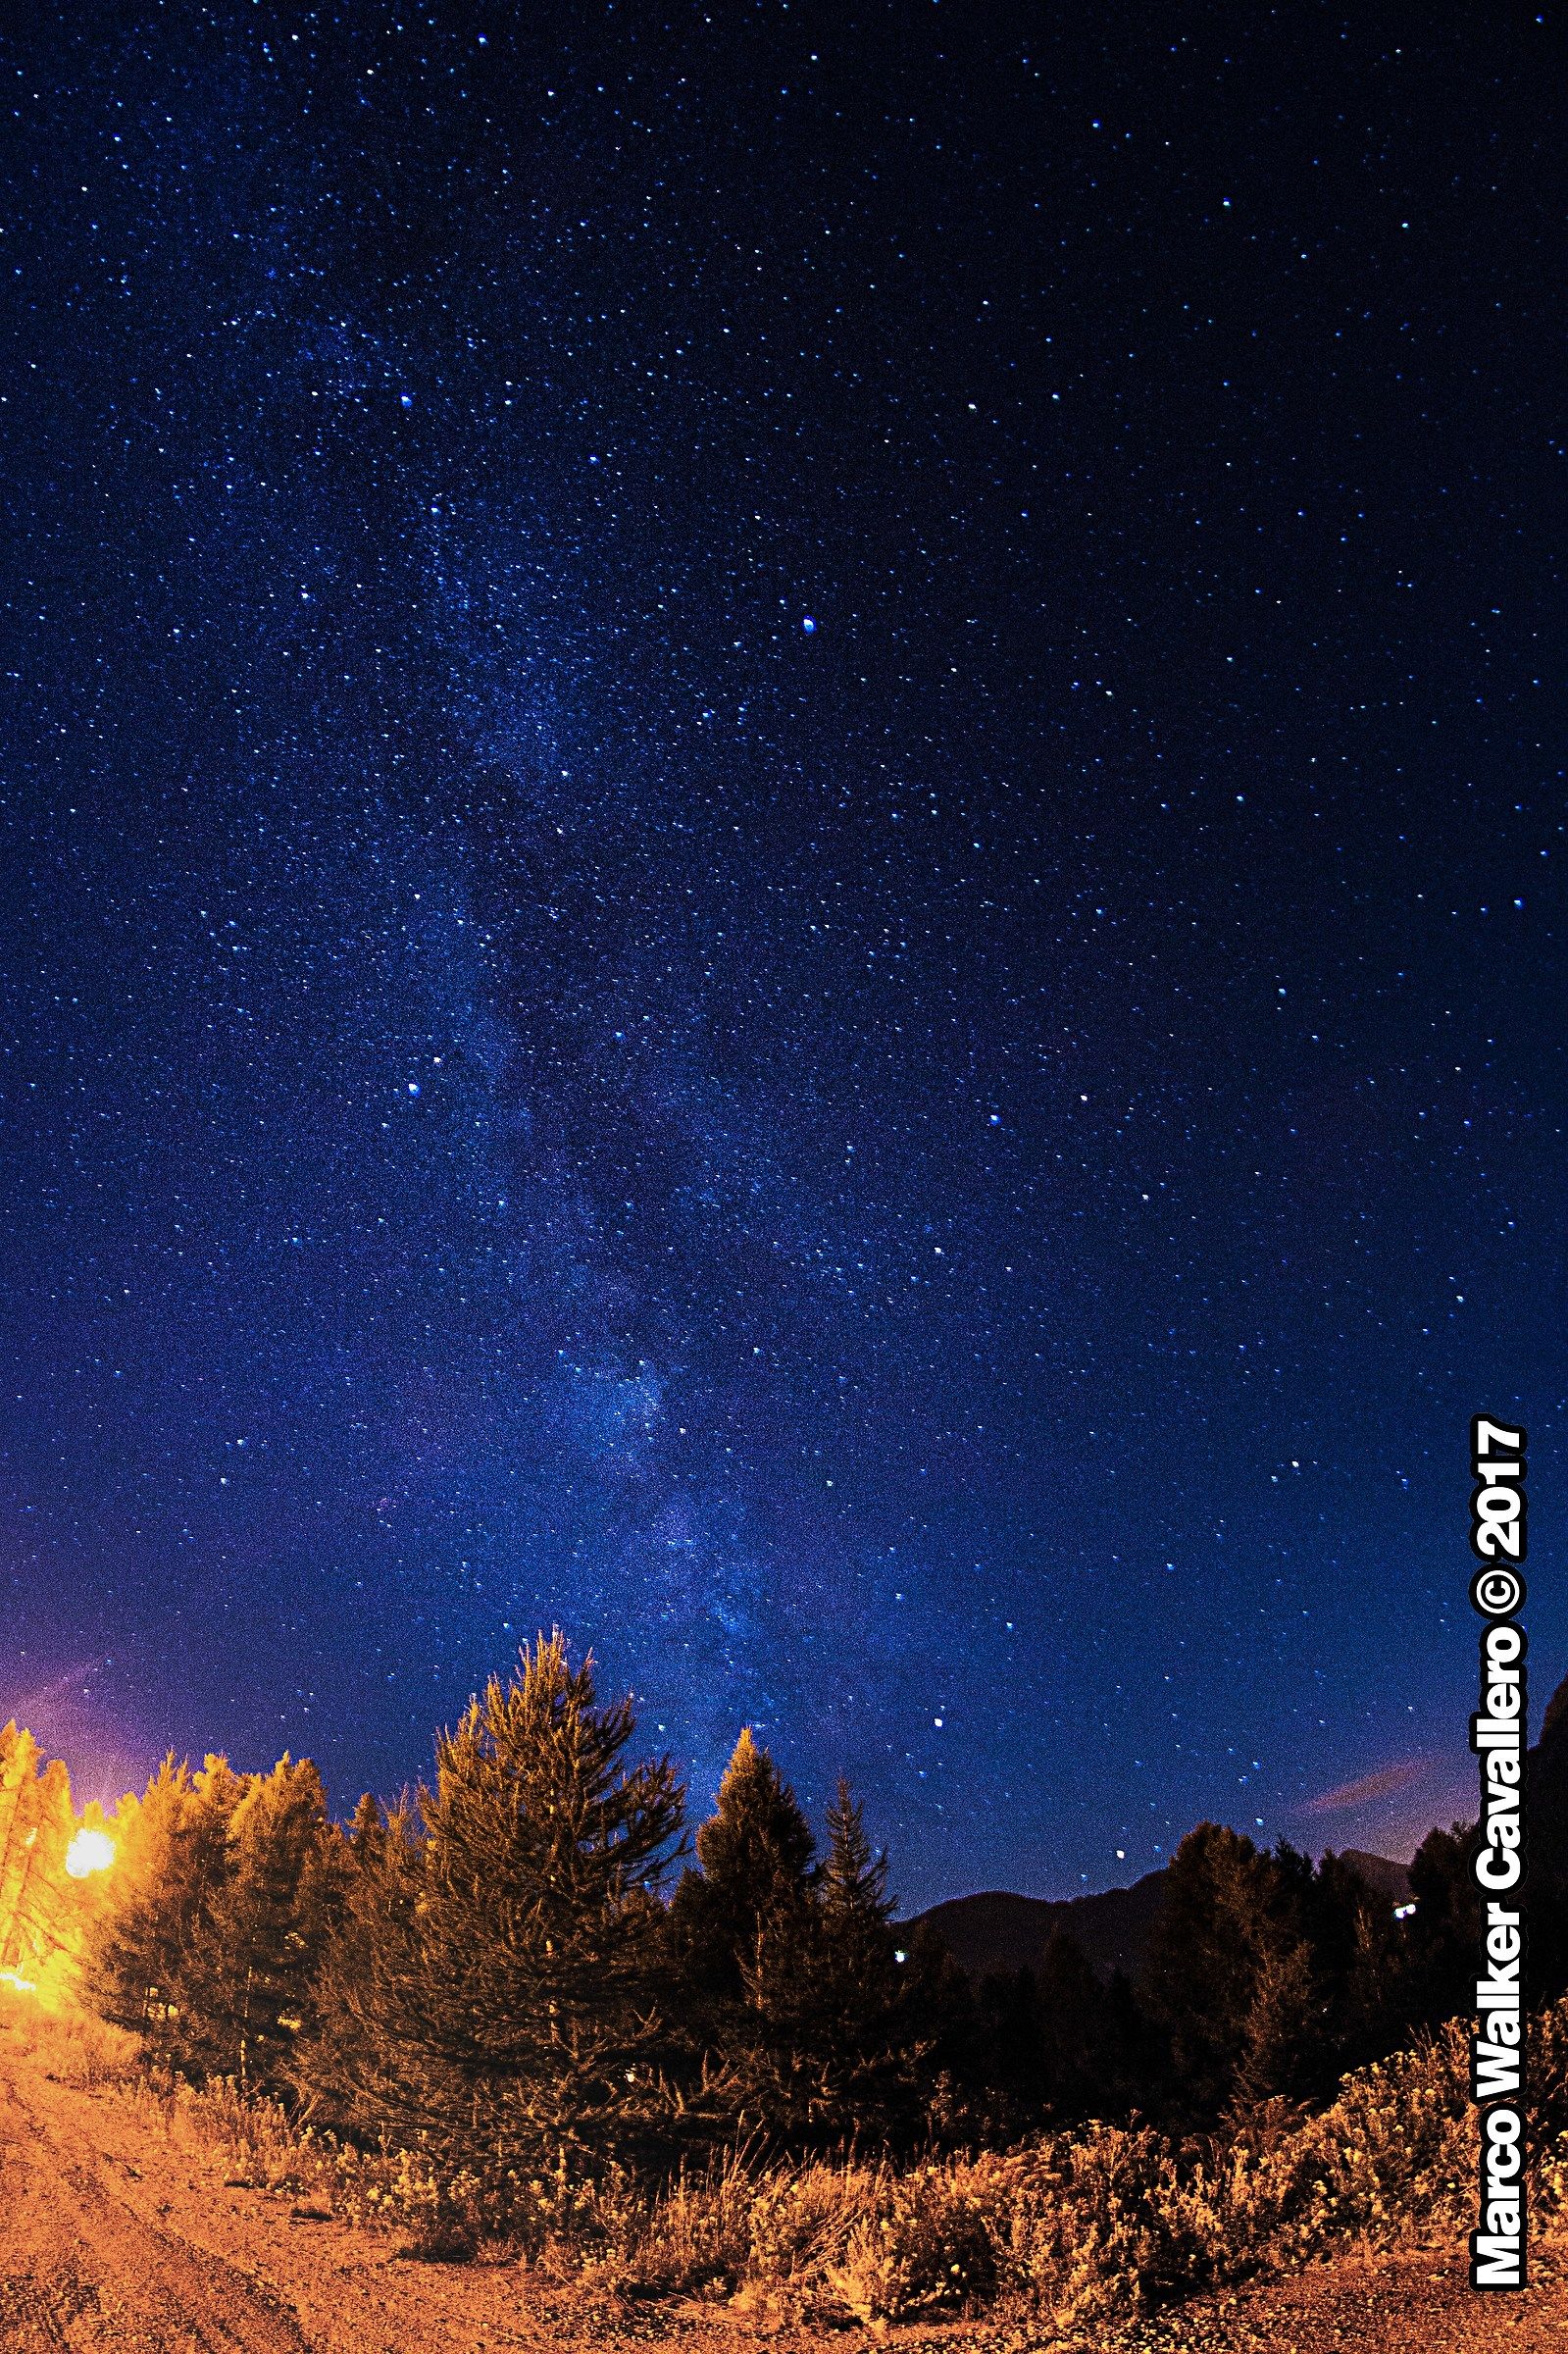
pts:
[996, 1930]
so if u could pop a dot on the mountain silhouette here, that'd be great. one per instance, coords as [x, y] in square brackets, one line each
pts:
[997, 1932]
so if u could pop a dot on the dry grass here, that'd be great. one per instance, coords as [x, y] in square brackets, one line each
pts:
[254, 2138]
[69, 2044]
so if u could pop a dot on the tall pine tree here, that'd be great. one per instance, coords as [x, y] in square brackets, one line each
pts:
[860, 2029]
[150, 1931]
[246, 1986]
[344, 2068]
[508, 2005]
[754, 1884]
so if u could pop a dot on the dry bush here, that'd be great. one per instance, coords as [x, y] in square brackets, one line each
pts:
[251, 2133]
[801, 2219]
[932, 2245]
[1397, 2147]
[695, 2237]
[1110, 2220]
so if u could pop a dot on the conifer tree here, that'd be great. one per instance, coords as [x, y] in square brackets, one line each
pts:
[1226, 1907]
[749, 1898]
[864, 2038]
[737, 1936]
[1058, 2043]
[809, 2027]
[345, 2067]
[1440, 1962]
[1359, 1953]
[1281, 2054]
[855, 1904]
[367, 1828]
[246, 1986]
[149, 1931]
[509, 2006]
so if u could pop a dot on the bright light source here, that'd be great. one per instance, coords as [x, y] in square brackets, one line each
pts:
[88, 1852]
[15, 1978]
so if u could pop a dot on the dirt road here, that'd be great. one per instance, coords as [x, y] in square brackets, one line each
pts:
[114, 2238]
[110, 2236]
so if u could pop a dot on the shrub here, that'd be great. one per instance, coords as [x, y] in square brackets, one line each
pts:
[930, 2246]
[1398, 2146]
[1103, 2223]
[800, 2220]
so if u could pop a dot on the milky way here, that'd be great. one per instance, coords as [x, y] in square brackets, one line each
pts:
[781, 804]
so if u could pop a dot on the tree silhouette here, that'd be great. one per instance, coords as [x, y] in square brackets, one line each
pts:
[756, 1876]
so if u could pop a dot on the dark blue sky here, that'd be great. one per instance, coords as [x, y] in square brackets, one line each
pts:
[783, 826]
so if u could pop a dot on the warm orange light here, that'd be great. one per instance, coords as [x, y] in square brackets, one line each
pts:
[89, 1851]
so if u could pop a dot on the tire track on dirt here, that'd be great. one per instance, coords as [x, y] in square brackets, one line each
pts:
[81, 2269]
[118, 2234]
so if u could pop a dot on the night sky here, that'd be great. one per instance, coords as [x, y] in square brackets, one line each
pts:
[782, 821]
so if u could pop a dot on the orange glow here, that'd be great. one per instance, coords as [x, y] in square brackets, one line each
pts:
[88, 1852]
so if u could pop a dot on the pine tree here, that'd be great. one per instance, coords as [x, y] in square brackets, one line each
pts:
[1440, 1960]
[854, 1948]
[1227, 1905]
[344, 2068]
[861, 2036]
[1359, 1958]
[1282, 2042]
[149, 1929]
[737, 1936]
[804, 2026]
[367, 1830]
[246, 1988]
[509, 2004]
[756, 1878]
[855, 1904]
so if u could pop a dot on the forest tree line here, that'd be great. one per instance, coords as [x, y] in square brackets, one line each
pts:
[527, 1962]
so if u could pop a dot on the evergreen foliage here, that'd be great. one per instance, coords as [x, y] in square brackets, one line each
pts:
[495, 1982]
[206, 1936]
[247, 1982]
[1233, 1978]
[145, 1944]
[867, 2039]
[1442, 1966]
[345, 2068]
[742, 1915]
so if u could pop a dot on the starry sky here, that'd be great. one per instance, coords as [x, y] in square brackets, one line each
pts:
[782, 818]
